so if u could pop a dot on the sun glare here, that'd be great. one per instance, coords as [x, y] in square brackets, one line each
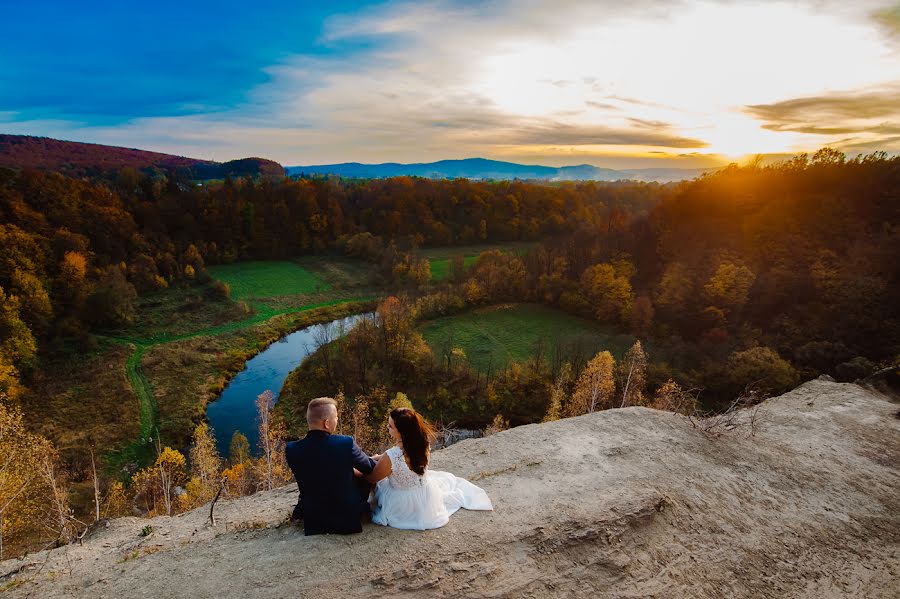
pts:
[693, 74]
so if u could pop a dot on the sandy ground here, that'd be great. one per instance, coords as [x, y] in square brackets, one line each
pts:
[623, 503]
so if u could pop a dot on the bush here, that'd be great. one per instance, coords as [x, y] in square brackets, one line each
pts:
[218, 291]
[761, 368]
[857, 368]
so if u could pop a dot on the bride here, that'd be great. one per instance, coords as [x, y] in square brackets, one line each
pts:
[407, 494]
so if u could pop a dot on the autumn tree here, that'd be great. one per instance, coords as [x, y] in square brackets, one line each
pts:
[115, 503]
[558, 397]
[671, 397]
[33, 497]
[17, 344]
[595, 386]
[155, 485]
[71, 284]
[238, 475]
[760, 368]
[675, 289]
[206, 465]
[641, 317]
[270, 469]
[34, 301]
[729, 287]
[238, 449]
[112, 304]
[497, 425]
[608, 288]
[632, 375]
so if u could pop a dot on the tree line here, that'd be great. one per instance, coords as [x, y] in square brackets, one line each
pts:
[765, 275]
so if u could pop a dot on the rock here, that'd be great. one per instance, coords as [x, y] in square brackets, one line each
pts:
[629, 502]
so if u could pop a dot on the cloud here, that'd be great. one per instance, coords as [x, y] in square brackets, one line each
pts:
[561, 134]
[889, 19]
[439, 79]
[869, 118]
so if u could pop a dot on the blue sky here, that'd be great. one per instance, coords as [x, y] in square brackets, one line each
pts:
[645, 83]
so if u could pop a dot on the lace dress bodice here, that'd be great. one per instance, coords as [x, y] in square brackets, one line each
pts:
[406, 500]
[401, 476]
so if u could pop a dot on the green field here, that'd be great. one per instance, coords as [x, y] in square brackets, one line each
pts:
[440, 269]
[493, 337]
[440, 258]
[267, 279]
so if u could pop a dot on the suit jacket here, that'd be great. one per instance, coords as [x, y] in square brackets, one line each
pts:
[323, 464]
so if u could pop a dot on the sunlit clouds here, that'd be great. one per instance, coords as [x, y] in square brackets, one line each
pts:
[678, 83]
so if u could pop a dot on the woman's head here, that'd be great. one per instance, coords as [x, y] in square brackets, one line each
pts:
[415, 435]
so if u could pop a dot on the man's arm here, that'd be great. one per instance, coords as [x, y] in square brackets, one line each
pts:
[361, 461]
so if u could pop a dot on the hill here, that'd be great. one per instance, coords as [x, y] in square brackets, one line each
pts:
[70, 157]
[482, 168]
[630, 502]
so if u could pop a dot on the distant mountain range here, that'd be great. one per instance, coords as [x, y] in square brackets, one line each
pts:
[482, 168]
[71, 157]
[77, 158]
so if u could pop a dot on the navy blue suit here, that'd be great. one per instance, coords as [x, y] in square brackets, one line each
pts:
[332, 500]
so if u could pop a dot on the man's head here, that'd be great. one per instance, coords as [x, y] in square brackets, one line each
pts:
[321, 414]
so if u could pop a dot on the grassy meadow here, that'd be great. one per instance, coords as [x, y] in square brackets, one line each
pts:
[249, 280]
[440, 258]
[494, 336]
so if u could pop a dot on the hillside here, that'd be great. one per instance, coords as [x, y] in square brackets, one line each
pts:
[482, 168]
[70, 157]
[630, 502]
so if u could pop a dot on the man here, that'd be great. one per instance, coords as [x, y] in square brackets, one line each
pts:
[332, 499]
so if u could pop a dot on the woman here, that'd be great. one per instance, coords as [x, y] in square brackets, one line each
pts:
[407, 494]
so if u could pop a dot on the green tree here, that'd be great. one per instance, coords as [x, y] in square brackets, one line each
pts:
[112, 303]
[17, 343]
[761, 368]
[729, 287]
[34, 301]
[238, 449]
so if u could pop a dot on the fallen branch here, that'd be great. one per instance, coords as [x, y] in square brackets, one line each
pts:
[741, 413]
[212, 506]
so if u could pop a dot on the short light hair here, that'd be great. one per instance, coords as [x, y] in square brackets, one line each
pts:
[320, 409]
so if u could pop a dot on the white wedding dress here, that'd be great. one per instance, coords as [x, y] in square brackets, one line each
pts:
[413, 502]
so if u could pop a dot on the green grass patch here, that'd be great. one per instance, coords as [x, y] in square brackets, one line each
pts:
[441, 257]
[339, 272]
[494, 336]
[179, 311]
[440, 269]
[267, 279]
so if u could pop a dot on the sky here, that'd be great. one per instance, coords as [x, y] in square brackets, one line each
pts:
[645, 83]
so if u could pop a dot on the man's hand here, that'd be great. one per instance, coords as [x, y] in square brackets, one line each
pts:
[357, 473]
[376, 457]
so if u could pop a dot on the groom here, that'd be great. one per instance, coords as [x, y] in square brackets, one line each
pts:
[332, 499]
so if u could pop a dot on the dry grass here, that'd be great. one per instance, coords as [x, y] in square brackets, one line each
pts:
[85, 400]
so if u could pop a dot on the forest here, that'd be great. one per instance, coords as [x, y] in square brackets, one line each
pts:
[752, 278]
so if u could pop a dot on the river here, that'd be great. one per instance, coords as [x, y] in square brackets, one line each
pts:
[235, 409]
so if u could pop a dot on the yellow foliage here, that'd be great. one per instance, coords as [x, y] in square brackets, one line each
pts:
[595, 387]
[238, 481]
[116, 502]
[32, 498]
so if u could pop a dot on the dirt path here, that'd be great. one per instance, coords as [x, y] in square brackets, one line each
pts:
[622, 503]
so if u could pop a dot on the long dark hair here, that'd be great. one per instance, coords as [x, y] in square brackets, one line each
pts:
[416, 435]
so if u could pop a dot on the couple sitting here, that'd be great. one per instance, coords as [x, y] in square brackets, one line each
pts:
[335, 477]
